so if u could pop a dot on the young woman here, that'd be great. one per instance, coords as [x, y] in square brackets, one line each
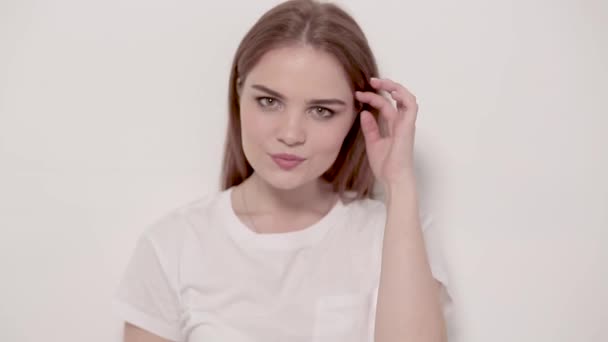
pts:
[294, 247]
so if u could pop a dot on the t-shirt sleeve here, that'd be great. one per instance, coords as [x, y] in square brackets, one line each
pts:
[436, 255]
[146, 296]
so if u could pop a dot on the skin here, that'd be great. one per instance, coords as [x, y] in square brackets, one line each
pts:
[133, 333]
[409, 297]
[409, 304]
[310, 118]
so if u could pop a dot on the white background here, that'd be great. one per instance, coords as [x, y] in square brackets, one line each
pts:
[114, 112]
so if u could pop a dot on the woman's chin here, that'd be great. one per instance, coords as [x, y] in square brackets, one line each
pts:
[283, 181]
[286, 183]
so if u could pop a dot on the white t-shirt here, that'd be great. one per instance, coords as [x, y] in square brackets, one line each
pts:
[199, 274]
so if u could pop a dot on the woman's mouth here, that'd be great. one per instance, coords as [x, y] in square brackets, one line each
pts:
[287, 162]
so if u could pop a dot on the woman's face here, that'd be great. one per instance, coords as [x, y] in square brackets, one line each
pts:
[296, 100]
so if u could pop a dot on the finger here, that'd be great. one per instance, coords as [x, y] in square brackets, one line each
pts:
[379, 102]
[403, 95]
[406, 106]
[370, 128]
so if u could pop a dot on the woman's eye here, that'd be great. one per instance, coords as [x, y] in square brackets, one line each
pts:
[323, 112]
[266, 102]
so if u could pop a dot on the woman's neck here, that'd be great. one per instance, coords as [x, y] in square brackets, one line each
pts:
[262, 197]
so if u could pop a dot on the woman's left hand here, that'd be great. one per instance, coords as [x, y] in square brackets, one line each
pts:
[392, 156]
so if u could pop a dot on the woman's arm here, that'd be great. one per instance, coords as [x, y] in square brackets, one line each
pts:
[409, 308]
[135, 334]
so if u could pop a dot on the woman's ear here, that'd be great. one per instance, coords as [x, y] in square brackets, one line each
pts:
[239, 86]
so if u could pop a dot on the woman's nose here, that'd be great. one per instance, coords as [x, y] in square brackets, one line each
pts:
[291, 129]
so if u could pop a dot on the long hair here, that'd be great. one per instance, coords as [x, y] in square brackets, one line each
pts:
[330, 29]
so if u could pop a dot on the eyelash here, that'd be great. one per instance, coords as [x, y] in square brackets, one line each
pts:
[260, 100]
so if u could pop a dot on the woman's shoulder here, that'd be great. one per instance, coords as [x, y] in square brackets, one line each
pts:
[374, 204]
[375, 207]
[171, 225]
[365, 214]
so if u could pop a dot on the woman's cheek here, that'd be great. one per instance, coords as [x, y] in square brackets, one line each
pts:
[330, 144]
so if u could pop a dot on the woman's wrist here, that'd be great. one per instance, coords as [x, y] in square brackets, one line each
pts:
[405, 184]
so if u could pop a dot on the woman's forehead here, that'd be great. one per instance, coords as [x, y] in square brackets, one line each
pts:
[300, 71]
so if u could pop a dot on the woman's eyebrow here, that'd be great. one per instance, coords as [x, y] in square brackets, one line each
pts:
[282, 97]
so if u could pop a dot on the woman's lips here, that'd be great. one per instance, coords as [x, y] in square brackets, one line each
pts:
[287, 156]
[286, 164]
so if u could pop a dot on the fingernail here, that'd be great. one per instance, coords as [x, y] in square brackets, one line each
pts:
[374, 79]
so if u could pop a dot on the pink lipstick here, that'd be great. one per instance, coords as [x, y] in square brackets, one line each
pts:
[287, 161]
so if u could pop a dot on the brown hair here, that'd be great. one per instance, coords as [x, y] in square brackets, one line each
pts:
[327, 28]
